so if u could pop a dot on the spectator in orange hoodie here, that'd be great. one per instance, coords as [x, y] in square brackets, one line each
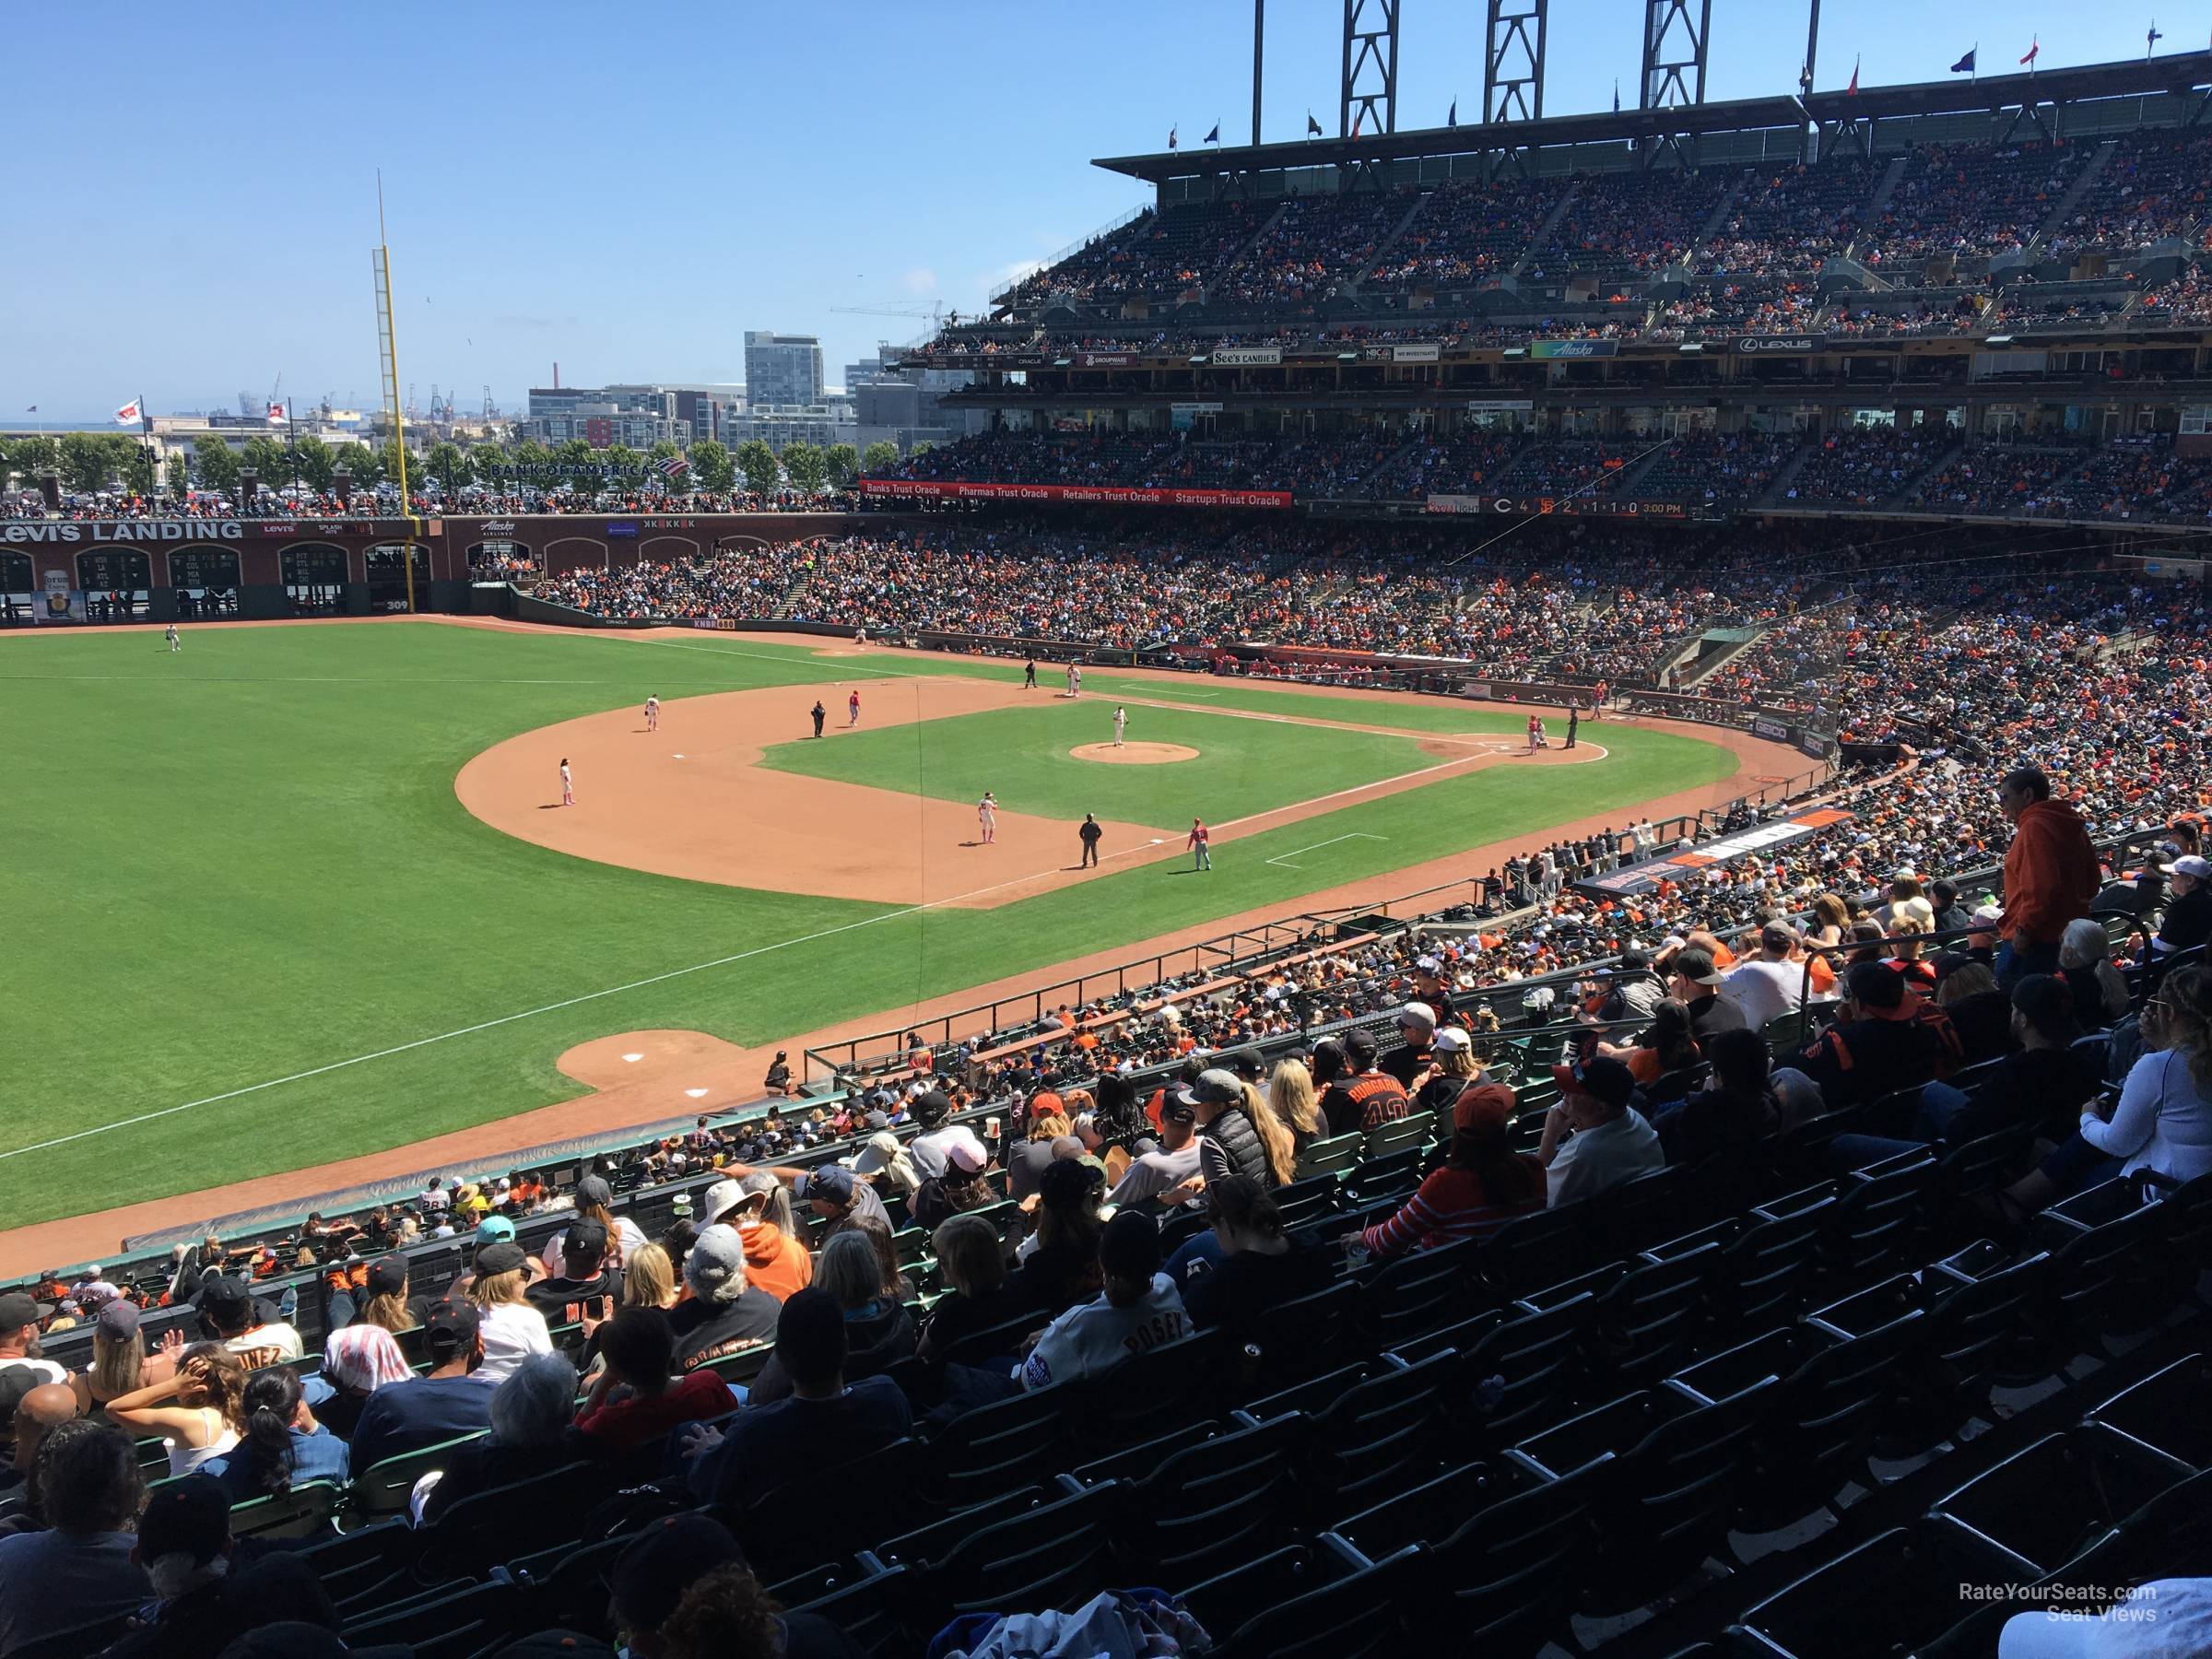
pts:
[2051, 875]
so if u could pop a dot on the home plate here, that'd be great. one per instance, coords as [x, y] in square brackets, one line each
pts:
[695, 1093]
[633, 1059]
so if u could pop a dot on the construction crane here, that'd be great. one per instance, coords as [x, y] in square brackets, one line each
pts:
[933, 314]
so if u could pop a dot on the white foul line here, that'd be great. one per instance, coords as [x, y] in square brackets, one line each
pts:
[1284, 858]
[758, 950]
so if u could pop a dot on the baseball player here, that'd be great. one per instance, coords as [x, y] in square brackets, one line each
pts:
[1535, 732]
[1202, 858]
[1120, 723]
[1028, 675]
[172, 637]
[820, 715]
[653, 713]
[853, 709]
[568, 785]
[1074, 680]
[986, 818]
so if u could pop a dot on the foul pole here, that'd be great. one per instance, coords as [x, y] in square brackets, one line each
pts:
[387, 341]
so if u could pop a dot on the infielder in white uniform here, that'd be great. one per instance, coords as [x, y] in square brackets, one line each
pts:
[1074, 680]
[653, 713]
[567, 786]
[1121, 722]
[986, 817]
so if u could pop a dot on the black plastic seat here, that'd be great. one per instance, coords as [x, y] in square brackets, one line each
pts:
[1416, 1294]
[1228, 1498]
[1154, 1393]
[2167, 1411]
[486, 1529]
[997, 1448]
[1877, 1216]
[1646, 1322]
[2106, 1276]
[869, 1608]
[1374, 1436]
[2039, 1507]
[1883, 1598]
[1510, 1573]
[451, 1623]
[1539, 1249]
[1057, 1556]
[1306, 1336]
[1306, 1603]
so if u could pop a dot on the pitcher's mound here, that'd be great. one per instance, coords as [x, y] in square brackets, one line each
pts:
[1133, 754]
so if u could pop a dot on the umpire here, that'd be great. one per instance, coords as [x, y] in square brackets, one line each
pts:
[1090, 833]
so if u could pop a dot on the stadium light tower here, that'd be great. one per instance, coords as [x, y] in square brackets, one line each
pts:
[1512, 63]
[1674, 42]
[1370, 100]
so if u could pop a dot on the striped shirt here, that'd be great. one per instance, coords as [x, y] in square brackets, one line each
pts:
[1450, 1206]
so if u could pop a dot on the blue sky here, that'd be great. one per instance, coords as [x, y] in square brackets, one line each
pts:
[627, 189]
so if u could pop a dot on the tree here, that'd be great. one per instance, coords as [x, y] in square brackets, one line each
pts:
[179, 475]
[214, 462]
[757, 463]
[266, 457]
[316, 462]
[485, 460]
[628, 464]
[711, 467]
[882, 456]
[356, 460]
[922, 447]
[664, 449]
[86, 460]
[531, 453]
[843, 464]
[445, 465]
[138, 464]
[388, 464]
[577, 452]
[803, 463]
[26, 456]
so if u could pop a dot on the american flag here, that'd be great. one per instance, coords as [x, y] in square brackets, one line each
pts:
[674, 465]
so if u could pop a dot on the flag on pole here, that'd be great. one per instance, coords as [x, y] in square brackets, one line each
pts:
[1214, 136]
[2151, 37]
[276, 414]
[1451, 116]
[1965, 65]
[2035, 48]
[129, 414]
[1617, 96]
[32, 410]
[1852, 90]
[1358, 117]
[1313, 126]
[1171, 137]
[674, 465]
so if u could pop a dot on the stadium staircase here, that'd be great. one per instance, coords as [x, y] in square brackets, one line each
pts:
[1911, 486]
[1420, 204]
[1627, 481]
[1542, 238]
[2059, 214]
[1717, 217]
[1715, 649]
[1241, 249]
[1882, 193]
[1778, 490]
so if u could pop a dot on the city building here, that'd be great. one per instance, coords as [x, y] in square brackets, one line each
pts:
[782, 369]
[639, 417]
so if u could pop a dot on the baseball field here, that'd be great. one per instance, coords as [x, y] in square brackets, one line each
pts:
[300, 894]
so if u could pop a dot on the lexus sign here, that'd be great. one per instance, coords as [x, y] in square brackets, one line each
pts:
[1771, 344]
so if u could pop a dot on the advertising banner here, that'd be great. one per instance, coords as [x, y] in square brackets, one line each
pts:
[1542, 349]
[1762, 838]
[1414, 354]
[1105, 360]
[1247, 356]
[1773, 730]
[1565, 506]
[931, 490]
[1775, 344]
[63, 604]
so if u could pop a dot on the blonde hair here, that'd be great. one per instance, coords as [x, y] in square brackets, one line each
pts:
[969, 1256]
[1458, 1063]
[118, 1364]
[492, 1290]
[1275, 1136]
[2182, 1015]
[647, 1279]
[1290, 1094]
[848, 1270]
[1831, 912]
[1051, 1125]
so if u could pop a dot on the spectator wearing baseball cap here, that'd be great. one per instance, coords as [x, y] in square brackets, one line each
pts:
[1482, 1184]
[1239, 1132]
[839, 1198]
[1164, 1174]
[235, 1318]
[588, 1281]
[1770, 984]
[932, 1149]
[724, 1313]
[453, 1399]
[512, 1330]
[1138, 1310]
[825, 1423]
[1594, 1136]
[1429, 988]
[1695, 981]
[1412, 1061]
[120, 1363]
[595, 1198]
[1060, 1258]
[2188, 919]
[20, 1316]
[1364, 1097]
[207, 1599]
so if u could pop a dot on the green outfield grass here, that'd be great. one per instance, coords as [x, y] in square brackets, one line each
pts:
[1245, 766]
[246, 863]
